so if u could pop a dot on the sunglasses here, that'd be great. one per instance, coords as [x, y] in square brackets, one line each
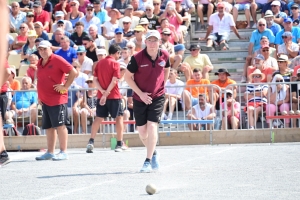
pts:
[257, 76]
[166, 34]
[280, 61]
[89, 9]
[130, 47]
[119, 33]
[80, 54]
[148, 9]
[84, 44]
[194, 49]
[273, 6]
[30, 16]
[125, 22]
[284, 37]
[265, 50]
[294, 8]
[137, 31]
[261, 25]
[88, 82]
[156, 4]
[72, 5]
[277, 81]
[60, 25]
[37, 27]
[144, 24]
[178, 2]
[21, 27]
[15, 6]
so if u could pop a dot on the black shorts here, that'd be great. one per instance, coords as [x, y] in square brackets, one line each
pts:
[143, 112]
[54, 116]
[114, 107]
[205, 9]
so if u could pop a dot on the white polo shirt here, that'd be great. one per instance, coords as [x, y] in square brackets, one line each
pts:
[87, 65]
[94, 20]
[221, 26]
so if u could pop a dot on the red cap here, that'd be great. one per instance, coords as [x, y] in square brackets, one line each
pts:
[265, 46]
[221, 5]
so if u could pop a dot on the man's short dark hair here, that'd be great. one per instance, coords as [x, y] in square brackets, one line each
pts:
[196, 70]
[88, 38]
[79, 24]
[114, 48]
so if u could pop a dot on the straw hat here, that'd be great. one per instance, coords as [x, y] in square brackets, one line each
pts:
[32, 33]
[256, 72]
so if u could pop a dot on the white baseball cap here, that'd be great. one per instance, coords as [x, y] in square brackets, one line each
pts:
[45, 44]
[153, 33]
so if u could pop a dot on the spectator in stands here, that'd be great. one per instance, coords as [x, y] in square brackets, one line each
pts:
[284, 70]
[110, 26]
[139, 38]
[288, 47]
[89, 104]
[119, 39]
[188, 5]
[26, 6]
[274, 27]
[61, 23]
[269, 61]
[231, 111]
[149, 15]
[279, 98]
[121, 5]
[37, 42]
[242, 5]
[174, 37]
[83, 5]
[81, 78]
[59, 33]
[157, 11]
[13, 84]
[74, 15]
[144, 23]
[101, 53]
[205, 7]
[41, 15]
[288, 27]
[67, 52]
[24, 104]
[39, 29]
[131, 47]
[191, 92]
[278, 15]
[174, 89]
[32, 69]
[295, 62]
[201, 111]
[21, 39]
[295, 96]
[259, 63]
[29, 20]
[268, 6]
[255, 97]
[29, 47]
[137, 11]
[74, 101]
[223, 82]
[85, 62]
[63, 6]
[127, 31]
[129, 13]
[295, 12]
[217, 33]
[186, 17]
[200, 61]
[174, 18]
[125, 58]
[16, 17]
[90, 47]
[165, 43]
[78, 34]
[90, 19]
[98, 39]
[47, 6]
[256, 5]
[101, 13]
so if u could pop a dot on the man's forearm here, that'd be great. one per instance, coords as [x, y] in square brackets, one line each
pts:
[71, 78]
[111, 85]
[133, 86]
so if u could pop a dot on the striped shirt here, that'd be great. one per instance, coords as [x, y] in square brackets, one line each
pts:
[256, 88]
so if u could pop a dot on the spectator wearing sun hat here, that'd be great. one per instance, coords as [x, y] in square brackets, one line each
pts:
[129, 13]
[269, 17]
[139, 39]
[110, 26]
[268, 6]
[119, 38]
[259, 63]
[127, 30]
[144, 23]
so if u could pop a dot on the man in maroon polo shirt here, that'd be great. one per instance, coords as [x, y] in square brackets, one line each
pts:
[147, 73]
[4, 73]
[53, 96]
[106, 75]
[40, 15]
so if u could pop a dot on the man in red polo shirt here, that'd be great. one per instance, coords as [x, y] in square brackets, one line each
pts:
[106, 75]
[4, 73]
[53, 96]
[40, 15]
[147, 73]
[62, 6]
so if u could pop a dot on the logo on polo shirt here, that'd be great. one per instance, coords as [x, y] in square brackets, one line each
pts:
[50, 66]
[162, 63]
[144, 65]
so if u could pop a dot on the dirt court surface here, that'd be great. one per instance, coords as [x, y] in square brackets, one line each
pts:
[254, 171]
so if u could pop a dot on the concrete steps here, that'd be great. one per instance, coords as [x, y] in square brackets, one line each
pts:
[233, 44]
[221, 56]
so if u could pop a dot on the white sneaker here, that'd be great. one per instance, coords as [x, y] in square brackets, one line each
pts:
[254, 26]
[244, 79]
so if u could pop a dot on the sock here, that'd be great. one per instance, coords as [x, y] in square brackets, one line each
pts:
[170, 115]
[4, 154]
[154, 153]
[91, 140]
[163, 115]
[148, 160]
[119, 143]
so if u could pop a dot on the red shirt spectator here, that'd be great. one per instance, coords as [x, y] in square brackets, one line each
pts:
[50, 74]
[43, 17]
[58, 7]
[109, 66]
[4, 87]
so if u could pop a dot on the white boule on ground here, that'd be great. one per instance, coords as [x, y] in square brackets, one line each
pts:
[151, 189]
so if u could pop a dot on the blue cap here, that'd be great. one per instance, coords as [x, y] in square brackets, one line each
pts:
[81, 49]
[118, 30]
[179, 47]
[259, 57]
[288, 19]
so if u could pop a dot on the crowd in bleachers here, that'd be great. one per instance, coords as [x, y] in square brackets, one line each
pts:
[81, 31]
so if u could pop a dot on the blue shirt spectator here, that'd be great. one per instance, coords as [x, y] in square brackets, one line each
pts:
[283, 7]
[275, 28]
[94, 20]
[69, 55]
[24, 99]
[66, 34]
[56, 44]
[295, 32]
[256, 36]
[101, 15]
[16, 18]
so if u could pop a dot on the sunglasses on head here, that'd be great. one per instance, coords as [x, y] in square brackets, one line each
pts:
[257, 76]
[261, 25]
[277, 81]
[80, 53]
